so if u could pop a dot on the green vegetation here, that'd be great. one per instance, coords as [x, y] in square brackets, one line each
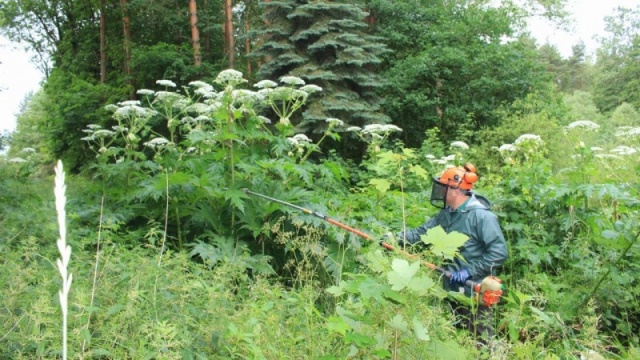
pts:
[171, 259]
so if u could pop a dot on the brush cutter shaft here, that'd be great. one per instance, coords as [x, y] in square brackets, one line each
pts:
[489, 297]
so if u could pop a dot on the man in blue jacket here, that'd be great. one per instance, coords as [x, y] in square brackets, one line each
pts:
[481, 254]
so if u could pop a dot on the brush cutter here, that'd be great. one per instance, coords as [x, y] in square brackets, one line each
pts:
[488, 292]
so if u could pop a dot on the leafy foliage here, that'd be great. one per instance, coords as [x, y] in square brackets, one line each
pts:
[445, 75]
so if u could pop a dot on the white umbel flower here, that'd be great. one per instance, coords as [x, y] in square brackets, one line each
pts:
[584, 124]
[624, 150]
[507, 148]
[292, 80]
[528, 138]
[167, 83]
[460, 144]
[334, 121]
[265, 84]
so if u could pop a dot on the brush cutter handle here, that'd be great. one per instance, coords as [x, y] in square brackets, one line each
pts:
[490, 293]
[348, 228]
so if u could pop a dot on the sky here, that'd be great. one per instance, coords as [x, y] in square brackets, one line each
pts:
[18, 77]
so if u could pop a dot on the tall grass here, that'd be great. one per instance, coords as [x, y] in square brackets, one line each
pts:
[65, 250]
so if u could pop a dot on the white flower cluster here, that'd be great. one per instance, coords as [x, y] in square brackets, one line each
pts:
[607, 156]
[129, 103]
[167, 83]
[265, 84]
[353, 128]
[132, 110]
[292, 80]
[299, 140]
[583, 124]
[627, 131]
[445, 160]
[157, 143]
[167, 97]
[334, 122]
[507, 148]
[205, 92]
[95, 131]
[264, 120]
[624, 150]
[528, 138]
[103, 133]
[230, 77]
[145, 92]
[310, 89]
[243, 95]
[203, 89]
[200, 84]
[460, 145]
[110, 108]
[380, 129]
[199, 108]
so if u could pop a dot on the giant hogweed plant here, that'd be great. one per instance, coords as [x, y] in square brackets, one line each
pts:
[207, 141]
[571, 224]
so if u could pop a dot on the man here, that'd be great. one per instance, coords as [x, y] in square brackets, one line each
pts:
[482, 253]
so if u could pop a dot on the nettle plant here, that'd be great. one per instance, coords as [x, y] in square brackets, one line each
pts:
[205, 142]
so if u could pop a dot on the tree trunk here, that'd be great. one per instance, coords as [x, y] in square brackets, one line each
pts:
[127, 47]
[370, 19]
[229, 40]
[195, 34]
[247, 43]
[207, 33]
[103, 42]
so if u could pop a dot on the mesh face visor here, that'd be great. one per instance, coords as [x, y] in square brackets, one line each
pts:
[439, 194]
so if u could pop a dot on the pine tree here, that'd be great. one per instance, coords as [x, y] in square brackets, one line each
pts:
[327, 44]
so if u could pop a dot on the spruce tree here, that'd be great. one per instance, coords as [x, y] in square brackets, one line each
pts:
[327, 44]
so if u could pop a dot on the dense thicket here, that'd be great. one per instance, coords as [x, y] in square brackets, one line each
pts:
[187, 264]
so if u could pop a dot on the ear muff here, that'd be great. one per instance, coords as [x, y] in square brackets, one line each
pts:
[470, 176]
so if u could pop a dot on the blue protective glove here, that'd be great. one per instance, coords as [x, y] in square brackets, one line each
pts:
[460, 276]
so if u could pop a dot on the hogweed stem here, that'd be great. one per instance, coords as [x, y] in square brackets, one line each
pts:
[65, 250]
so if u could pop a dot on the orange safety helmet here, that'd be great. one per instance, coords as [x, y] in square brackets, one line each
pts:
[462, 177]
[459, 177]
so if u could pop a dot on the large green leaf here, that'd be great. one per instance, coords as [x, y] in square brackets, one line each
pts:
[377, 261]
[399, 323]
[420, 330]
[442, 243]
[381, 185]
[402, 273]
